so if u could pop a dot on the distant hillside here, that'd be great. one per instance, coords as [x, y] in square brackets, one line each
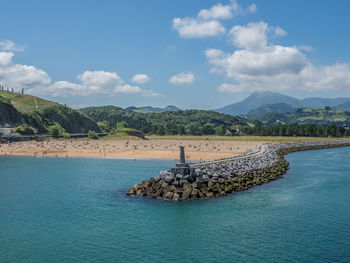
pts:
[166, 122]
[276, 108]
[344, 106]
[258, 99]
[148, 109]
[322, 102]
[320, 116]
[17, 109]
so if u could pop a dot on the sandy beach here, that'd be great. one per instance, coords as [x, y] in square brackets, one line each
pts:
[149, 149]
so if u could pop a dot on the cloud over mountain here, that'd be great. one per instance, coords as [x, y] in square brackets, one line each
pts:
[258, 64]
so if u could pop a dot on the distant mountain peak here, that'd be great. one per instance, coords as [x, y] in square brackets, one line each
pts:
[261, 98]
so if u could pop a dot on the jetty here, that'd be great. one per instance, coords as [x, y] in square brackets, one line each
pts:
[217, 178]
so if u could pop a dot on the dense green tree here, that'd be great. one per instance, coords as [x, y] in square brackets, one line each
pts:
[92, 135]
[181, 129]
[208, 129]
[104, 126]
[220, 130]
[121, 125]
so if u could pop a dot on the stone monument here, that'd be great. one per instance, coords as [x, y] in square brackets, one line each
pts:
[182, 167]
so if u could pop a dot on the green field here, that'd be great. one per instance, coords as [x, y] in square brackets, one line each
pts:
[20, 101]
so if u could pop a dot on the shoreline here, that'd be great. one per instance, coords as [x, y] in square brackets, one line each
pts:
[155, 149]
[213, 179]
[92, 157]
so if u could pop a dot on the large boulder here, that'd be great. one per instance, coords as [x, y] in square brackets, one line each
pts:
[168, 195]
[186, 193]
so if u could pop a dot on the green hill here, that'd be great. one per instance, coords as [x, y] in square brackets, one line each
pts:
[194, 122]
[261, 98]
[149, 109]
[277, 108]
[17, 109]
[319, 116]
[23, 102]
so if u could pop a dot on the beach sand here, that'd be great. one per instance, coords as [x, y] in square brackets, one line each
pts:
[137, 149]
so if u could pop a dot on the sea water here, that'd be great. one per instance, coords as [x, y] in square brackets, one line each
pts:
[76, 210]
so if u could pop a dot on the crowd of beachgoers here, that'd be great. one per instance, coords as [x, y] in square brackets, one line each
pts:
[148, 149]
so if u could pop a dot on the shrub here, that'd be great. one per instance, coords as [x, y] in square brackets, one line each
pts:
[66, 135]
[104, 126]
[92, 135]
[121, 125]
[132, 132]
[56, 130]
[24, 130]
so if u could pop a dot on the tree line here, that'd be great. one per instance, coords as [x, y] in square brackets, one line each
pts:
[187, 122]
[306, 130]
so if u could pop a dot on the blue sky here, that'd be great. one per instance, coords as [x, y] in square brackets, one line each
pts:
[190, 53]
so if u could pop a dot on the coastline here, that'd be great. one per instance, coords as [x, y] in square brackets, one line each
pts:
[129, 149]
[209, 180]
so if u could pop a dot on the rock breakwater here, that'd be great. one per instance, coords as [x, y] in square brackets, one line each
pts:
[218, 178]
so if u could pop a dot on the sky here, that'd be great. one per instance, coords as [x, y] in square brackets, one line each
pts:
[200, 54]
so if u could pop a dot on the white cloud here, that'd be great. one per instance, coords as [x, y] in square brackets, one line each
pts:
[252, 8]
[19, 76]
[127, 89]
[305, 48]
[37, 81]
[225, 87]
[273, 60]
[279, 32]
[252, 36]
[206, 23]
[335, 76]
[150, 93]
[259, 65]
[6, 58]
[140, 78]
[66, 88]
[218, 11]
[99, 78]
[189, 27]
[8, 45]
[182, 78]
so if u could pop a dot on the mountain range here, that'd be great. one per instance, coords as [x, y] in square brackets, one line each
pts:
[284, 103]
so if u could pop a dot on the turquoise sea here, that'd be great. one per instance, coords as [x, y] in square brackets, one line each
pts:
[76, 210]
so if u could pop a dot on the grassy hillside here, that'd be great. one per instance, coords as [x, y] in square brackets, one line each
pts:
[319, 116]
[25, 101]
[17, 109]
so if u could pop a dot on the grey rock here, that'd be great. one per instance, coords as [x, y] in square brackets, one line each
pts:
[169, 179]
[183, 181]
[205, 178]
[179, 176]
